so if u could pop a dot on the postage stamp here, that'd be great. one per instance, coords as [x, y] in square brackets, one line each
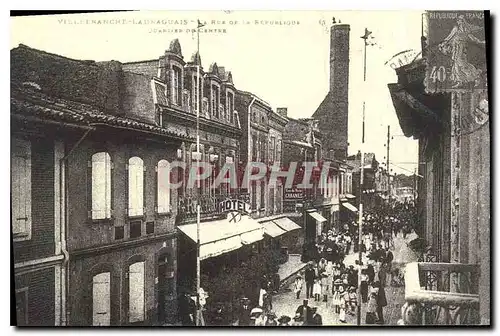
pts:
[456, 57]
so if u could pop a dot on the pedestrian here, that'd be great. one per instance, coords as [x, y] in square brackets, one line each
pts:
[336, 296]
[316, 319]
[348, 244]
[342, 303]
[297, 286]
[324, 286]
[381, 302]
[262, 293]
[244, 313]
[258, 316]
[364, 286]
[304, 312]
[353, 300]
[271, 320]
[268, 302]
[187, 309]
[371, 307]
[309, 277]
[370, 271]
[317, 289]
[284, 321]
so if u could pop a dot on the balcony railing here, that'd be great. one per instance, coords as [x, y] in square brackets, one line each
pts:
[441, 294]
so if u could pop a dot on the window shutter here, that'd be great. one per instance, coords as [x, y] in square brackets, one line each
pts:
[101, 186]
[136, 292]
[101, 299]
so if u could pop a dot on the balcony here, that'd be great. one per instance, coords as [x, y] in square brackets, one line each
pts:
[429, 300]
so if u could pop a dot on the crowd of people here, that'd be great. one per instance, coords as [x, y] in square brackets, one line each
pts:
[327, 279]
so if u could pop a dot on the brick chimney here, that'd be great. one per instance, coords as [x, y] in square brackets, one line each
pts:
[282, 111]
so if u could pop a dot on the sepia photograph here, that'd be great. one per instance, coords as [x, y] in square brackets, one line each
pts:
[242, 168]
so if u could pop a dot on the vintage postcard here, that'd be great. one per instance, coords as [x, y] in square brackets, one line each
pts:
[250, 168]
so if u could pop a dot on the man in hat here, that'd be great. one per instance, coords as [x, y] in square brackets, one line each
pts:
[187, 309]
[284, 321]
[271, 320]
[244, 312]
[316, 319]
[309, 275]
[381, 302]
[304, 312]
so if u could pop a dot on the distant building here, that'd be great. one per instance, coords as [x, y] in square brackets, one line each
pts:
[369, 180]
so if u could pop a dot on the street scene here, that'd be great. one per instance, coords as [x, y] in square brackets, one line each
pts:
[250, 169]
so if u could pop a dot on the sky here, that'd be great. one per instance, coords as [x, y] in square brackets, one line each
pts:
[286, 64]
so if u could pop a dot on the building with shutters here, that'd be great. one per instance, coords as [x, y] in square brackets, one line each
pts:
[103, 215]
[319, 205]
[262, 143]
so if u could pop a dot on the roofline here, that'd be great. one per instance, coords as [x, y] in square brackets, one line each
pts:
[135, 62]
[86, 62]
[257, 98]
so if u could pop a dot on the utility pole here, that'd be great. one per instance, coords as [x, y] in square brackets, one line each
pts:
[365, 37]
[198, 205]
[388, 167]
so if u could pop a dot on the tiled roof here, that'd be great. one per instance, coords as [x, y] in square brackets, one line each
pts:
[32, 103]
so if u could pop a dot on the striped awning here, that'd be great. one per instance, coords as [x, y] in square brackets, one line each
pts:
[273, 230]
[286, 224]
[221, 236]
[317, 216]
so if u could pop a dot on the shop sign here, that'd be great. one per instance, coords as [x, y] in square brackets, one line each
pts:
[294, 194]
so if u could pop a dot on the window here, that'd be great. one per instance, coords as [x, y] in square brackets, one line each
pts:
[195, 95]
[176, 85]
[230, 106]
[215, 101]
[21, 189]
[101, 299]
[163, 186]
[279, 201]
[272, 149]
[136, 292]
[22, 307]
[135, 187]
[135, 229]
[185, 100]
[101, 186]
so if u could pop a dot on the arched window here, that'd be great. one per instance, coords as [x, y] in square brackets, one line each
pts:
[135, 186]
[136, 292]
[101, 299]
[101, 186]
[163, 186]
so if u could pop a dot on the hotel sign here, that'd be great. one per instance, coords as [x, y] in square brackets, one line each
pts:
[230, 205]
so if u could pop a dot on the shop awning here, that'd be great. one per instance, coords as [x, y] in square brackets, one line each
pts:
[272, 229]
[317, 216]
[350, 207]
[349, 196]
[286, 224]
[221, 236]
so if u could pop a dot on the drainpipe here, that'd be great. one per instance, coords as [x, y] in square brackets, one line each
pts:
[248, 143]
[63, 190]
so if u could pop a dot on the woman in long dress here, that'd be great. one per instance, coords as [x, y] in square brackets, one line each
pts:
[455, 45]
